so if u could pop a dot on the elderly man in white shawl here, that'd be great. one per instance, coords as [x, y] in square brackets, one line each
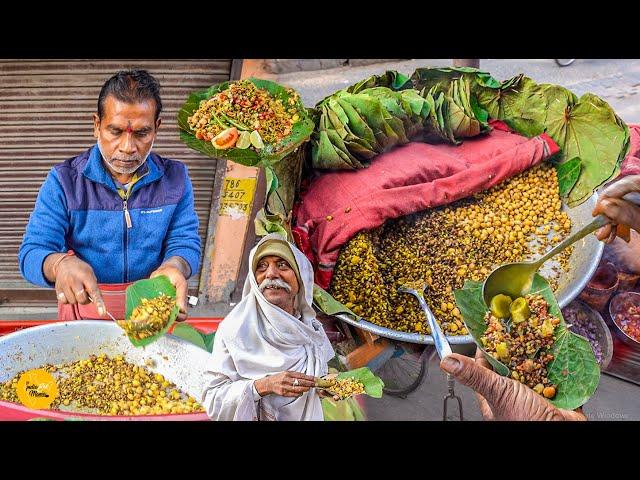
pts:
[269, 349]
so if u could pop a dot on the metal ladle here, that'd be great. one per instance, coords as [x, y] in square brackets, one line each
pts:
[515, 279]
[442, 345]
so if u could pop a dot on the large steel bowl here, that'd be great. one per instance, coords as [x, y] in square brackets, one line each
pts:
[582, 265]
[179, 361]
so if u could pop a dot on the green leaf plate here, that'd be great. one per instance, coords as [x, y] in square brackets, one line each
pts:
[150, 288]
[574, 369]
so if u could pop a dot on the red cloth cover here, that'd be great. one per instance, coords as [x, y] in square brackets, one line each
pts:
[114, 298]
[407, 179]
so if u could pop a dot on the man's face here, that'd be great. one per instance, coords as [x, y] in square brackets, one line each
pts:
[271, 271]
[126, 133]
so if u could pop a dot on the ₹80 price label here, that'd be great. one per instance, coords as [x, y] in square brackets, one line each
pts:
[237, 197]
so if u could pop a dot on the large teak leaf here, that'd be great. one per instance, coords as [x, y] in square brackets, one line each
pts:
[588, 129]
[568, 173]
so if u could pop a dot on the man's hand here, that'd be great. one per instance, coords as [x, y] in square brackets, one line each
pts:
[502, 398]
[619, 211]
[75, 282]
[177, 272]
[285, 384]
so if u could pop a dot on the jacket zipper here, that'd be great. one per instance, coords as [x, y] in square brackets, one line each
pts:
[127, 217]
[128, 224]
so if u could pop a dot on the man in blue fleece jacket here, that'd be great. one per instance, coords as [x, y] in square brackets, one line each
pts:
[116, 213]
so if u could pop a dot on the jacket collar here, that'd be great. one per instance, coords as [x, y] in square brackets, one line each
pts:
[95, 171]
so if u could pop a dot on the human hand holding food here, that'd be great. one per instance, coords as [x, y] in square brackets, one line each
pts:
[502, 398]
[177, 271]
[74, 280]
[325, 394]
[622, 213]
[285, 384]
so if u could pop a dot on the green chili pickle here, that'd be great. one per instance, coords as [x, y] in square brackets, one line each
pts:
[520, 310]
[500, 306]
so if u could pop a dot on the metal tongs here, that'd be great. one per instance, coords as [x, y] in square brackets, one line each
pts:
[440, 340]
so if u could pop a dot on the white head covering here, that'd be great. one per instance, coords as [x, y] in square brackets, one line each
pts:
[258, 338]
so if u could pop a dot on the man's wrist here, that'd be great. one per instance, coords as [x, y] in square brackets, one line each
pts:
[52, 263]
[56, 264]
[178, 263]
[260, 386]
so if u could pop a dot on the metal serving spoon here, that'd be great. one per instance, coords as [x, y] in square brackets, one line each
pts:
[135, 326]
[442, 345]
[105, 309]
[515, 279]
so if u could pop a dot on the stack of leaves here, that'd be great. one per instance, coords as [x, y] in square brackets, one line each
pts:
[441, 78]
[593, 140]
[353, 128]
[356, 144]
[574, 369]
[390, 79]
[455, 115]
[373, 116]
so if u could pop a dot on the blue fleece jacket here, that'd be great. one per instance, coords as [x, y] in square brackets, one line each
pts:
[78, 208]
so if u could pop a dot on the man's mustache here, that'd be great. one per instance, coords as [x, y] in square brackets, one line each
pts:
[274, 282]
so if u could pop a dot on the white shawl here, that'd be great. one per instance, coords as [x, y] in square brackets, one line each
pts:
[257, 339]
